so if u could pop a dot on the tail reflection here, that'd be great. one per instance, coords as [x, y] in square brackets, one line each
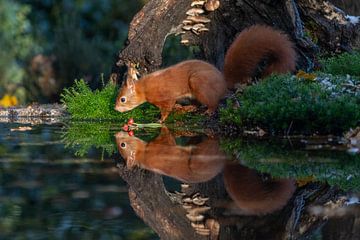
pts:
[253, 194]
[192, 164]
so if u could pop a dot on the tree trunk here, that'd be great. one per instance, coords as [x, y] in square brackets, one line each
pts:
[351, 7]
[313, 25]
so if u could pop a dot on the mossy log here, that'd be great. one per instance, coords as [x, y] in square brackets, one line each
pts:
[313, 25]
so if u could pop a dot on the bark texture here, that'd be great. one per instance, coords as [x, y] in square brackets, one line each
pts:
[351, 7]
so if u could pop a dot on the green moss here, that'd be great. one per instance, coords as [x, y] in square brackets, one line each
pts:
[282, 103]
[188, 119]
[82, 136]
[345, 63]
[83, 103]
[311, 35]
[281, 160]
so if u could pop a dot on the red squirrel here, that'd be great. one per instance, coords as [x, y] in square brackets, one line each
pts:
[203, 81]
[192, 78]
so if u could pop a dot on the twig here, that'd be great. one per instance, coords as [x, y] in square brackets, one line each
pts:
[288, 131]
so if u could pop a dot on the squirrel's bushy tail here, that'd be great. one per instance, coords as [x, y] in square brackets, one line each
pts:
[254, 45]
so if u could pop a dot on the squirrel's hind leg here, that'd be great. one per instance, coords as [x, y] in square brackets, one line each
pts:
[208, 89]
[165, 109]
[164, 115]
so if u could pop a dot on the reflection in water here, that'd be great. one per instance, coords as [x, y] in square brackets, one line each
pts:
[255, 194]
[46, 192]
[195, 163]
[223, 199]
[247, 191]
[251, 192]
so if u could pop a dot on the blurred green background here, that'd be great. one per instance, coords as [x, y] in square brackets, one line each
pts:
[46, 44]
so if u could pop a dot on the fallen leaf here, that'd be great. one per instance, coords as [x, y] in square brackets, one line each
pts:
[21, 129]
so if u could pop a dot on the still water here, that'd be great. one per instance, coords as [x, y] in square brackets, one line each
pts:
[93, 181]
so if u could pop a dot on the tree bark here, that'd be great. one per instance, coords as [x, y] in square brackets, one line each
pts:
[351, 7]
[328, 26]
[313, 25]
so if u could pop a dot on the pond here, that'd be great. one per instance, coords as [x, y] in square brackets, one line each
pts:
[93, 181]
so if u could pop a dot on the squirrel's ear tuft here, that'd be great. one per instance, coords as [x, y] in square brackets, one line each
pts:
[133, 72]
[132, 77]
[130, 84]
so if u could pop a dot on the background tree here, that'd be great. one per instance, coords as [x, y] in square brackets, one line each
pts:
[44, 50]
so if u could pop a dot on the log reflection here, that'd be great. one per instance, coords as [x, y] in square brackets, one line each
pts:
[221, 198]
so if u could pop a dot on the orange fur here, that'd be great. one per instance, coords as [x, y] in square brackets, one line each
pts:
[253, 195]
[192, 164]
[251, 47]
[192, 78]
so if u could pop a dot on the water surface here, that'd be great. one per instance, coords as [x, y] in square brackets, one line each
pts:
[93, 181]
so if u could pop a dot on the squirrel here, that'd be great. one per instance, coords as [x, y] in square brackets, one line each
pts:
[191, 78]
[203, 81]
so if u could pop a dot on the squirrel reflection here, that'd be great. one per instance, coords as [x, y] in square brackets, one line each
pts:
[192, 164]
[253, 193]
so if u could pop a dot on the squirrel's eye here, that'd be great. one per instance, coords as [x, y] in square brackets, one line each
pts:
[123, 145]
[123, 99]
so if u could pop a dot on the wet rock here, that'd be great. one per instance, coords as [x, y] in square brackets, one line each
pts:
[34, 114]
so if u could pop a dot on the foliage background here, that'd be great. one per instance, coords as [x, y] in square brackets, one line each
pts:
[82, 36]
[17, 43]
